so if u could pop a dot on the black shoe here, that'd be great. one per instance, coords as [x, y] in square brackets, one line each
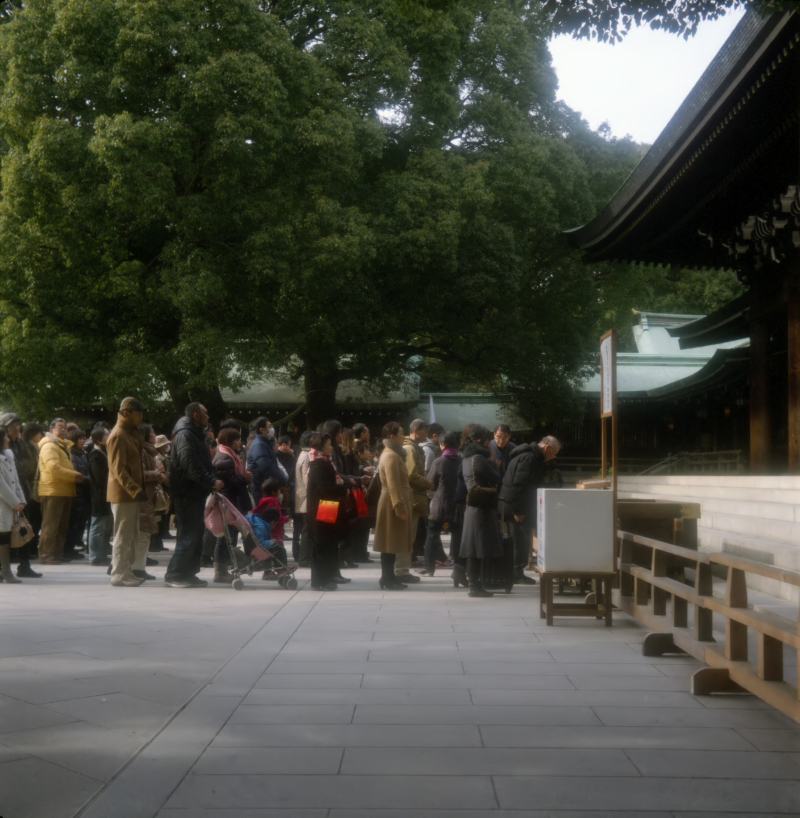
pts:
[524, 579]
[25, 570]
[340, 580]
[167, 536]
[427, 572]
[348, 564]
[109, 569]
[75, 556]
[196, 582]
[206, 562]
[408, 578]
[101, 561]
[177, 582]
[142, 574]
[391, 586]
[151, 562]
[460, 576]
[328, 586]
[476, 590]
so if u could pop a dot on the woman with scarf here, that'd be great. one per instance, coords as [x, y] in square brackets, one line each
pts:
[480, 538]
[393, 533]
[324, 483]
[229, 468]
[444, 512]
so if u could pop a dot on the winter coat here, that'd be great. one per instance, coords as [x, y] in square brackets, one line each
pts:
[11, 494]
[56, 475]
[125, 469]
[480, 537]
[147, 511]
[277, 531]
[191, 473]
[27, 464]
[322, 485]
[98, 469]
[432, 451]
[301, 482]
[263, 462]
[235, 488]
[444, 476]
[393, 535]
[415, 463]
[503, 455]
[526, 473]
[80, 462]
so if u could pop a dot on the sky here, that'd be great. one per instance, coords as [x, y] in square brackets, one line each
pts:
[637, 85]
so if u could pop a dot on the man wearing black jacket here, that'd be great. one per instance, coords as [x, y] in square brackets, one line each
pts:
[192, 477]
[526, 473]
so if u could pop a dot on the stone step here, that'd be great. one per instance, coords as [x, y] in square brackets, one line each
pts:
[777, 530]
[788, 482]
[695, 493]
[784, 512]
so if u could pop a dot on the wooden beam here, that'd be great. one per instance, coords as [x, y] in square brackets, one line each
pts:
[759, 396]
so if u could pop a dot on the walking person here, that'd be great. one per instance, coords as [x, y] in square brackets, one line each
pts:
[393, 523]
[192, 477]
[444, 511]
[526, 474]
[12, 501]
[57, 481]
[480, 538]
[126, 490]
[262, 457]
[324, 483]
[101, 529]
[26, 455]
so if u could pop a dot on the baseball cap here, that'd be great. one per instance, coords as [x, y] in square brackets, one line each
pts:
[131, 404]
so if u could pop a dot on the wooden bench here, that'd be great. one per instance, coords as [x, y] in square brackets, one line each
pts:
[599, 607]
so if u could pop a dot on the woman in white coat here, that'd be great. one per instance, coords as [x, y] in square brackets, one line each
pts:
[12, 500]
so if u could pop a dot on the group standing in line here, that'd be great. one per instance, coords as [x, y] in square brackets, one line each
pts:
[124, 485]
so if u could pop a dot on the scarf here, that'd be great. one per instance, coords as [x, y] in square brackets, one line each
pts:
[237, 461]
[450, 453]
[316, 454]
[396, 447]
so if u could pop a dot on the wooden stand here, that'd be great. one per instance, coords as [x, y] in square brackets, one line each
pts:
[598, 610]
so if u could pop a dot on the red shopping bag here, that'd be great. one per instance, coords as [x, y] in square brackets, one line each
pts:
[328, 511]
[361, 503]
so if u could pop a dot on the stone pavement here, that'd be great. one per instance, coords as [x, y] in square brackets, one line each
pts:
[143, 702]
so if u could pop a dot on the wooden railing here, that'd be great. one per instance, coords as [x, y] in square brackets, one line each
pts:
[655, 591]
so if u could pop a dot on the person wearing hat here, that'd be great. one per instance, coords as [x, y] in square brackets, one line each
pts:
[126, 489]
[163, 445]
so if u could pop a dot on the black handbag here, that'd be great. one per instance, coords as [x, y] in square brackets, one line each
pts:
[480, 496]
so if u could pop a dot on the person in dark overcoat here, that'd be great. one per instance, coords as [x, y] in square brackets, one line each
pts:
[444, 510]
[325, 483]
[480, 538]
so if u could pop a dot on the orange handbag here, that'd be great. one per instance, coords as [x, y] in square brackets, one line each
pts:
[328, 511]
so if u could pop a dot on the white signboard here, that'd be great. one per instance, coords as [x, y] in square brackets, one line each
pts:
[606, 390]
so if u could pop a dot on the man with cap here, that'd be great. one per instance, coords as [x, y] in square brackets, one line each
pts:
[191, 477]
[125, 489]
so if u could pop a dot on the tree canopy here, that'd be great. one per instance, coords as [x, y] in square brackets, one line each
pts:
[196, 195]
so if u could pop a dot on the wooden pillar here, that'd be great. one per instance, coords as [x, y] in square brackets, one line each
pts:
[793, 355]
[759, 395]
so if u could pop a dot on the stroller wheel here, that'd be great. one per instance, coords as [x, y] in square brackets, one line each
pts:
[282, 581]
[290, 584]
[238, 584]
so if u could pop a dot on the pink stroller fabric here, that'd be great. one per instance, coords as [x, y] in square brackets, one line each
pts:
[213, 519]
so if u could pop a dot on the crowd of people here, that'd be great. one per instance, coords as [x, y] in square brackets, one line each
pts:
[119, 488]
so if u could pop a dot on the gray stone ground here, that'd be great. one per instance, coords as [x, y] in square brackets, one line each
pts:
[358, 704]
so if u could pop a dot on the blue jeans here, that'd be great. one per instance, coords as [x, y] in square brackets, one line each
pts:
[185, 560]
[100, 533]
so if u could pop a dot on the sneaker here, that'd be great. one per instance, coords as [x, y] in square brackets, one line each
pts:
[177, 582]
[128, 583]
[196, 582]
[142, 575]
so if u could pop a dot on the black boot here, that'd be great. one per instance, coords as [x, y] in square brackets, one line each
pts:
[476, 588]
[459, 576]
[24, 569]
[521, 578]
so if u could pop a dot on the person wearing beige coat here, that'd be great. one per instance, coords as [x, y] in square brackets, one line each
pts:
[393, 523]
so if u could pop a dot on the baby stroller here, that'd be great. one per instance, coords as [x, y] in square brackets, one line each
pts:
[256, 555]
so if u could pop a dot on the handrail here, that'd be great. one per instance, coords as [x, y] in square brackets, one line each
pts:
[664, 603]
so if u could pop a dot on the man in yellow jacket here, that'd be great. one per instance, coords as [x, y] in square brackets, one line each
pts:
[57, 481]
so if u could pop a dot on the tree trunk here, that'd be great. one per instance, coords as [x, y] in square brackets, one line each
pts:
[320, 383]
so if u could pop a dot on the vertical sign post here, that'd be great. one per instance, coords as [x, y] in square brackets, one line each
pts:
[608, 410]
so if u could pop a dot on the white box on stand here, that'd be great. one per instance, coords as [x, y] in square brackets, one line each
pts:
[575, 530]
